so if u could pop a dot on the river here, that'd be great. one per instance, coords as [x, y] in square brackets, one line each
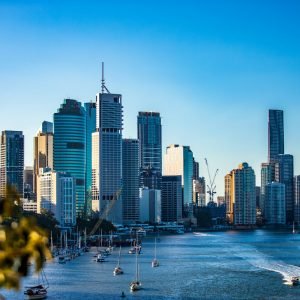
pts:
[217, 265]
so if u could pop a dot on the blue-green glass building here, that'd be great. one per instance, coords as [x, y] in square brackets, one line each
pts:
[69, 150]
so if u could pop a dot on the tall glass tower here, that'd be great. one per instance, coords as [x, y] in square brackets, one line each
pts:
[130, 190]
[284, 173]
[90, 110]
[110, 122]
[11, 161]
[149, 135]
[275, 134]
[179, 161]
[69, 146]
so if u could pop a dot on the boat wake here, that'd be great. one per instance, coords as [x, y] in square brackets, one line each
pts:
[202, 234]
[263, 261]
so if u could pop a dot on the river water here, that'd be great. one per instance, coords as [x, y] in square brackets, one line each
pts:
[218, 265]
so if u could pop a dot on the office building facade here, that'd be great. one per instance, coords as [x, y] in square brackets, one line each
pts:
[110, 122]
[130, 188]
[56, 192]
[284, 173]
[150, 152]
[42, 150]
[240, 196]
[12, 161]
[179, 161]
[90, 113]
[69, 146]
[275, 207]
[171, 199]
[275, 134]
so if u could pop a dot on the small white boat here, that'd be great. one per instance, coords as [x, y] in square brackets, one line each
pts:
[35, 292]
[118, 270]
[136, 284]
[155, 262]
[38, 291]
[100, 258]
[135, 249]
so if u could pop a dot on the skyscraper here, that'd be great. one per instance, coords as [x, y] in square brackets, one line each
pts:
[275, 134]
[240, 195]
[284, 173]
[69, 146]
[43, 150]
[297, 199]
[11, 161]
[47, 127]
[179, 161]
[95, 172]
[90, 113]
[110, 122]
[195, 169]
[130, 189]
[56, 193]
[28, 183]
[149, 135]
[171, 198]
[275, 203]
[267, 176]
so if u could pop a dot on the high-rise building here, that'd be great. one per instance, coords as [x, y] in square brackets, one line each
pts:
[221, 201]
[150, 205]
[240, 195]
[110, 122]
[297, 199]
[130, 189]
[56, 193]
[228, 198]
[179, 161]
[171, 198]
[275, 134]
[43, 150]
[275, 203]
[11, 161]
[28, 183]
[95, 172]
[69, 151]
[90, 113]
[150, 137]
[47, 127]
[284, 173]
[267, 176]
[195, 169]
[199, 197]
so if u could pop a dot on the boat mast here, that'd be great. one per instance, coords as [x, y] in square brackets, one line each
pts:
[155, 249]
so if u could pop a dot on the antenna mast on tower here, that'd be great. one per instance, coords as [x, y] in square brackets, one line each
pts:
[103, 87]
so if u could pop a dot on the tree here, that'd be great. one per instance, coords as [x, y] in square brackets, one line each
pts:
[21, 242]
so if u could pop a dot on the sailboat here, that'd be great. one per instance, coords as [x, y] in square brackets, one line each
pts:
[155, 262]
[37, 291]
[118, 270]
[294, 228]
[136, 284]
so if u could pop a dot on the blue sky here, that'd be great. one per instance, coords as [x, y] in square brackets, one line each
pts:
[211, 68]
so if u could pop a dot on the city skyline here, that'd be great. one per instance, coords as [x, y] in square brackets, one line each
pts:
[213, 73]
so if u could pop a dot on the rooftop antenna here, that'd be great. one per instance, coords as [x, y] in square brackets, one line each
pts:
[103, 87]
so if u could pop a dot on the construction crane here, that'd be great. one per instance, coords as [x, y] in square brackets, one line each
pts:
[211, 187]
[106, 209]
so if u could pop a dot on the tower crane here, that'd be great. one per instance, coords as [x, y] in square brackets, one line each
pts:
[211, 186]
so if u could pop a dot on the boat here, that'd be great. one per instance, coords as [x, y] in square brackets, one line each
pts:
[118, 270]
[37, 291]
[100, 258]
[155, 262]
[135, 249]
[295, 280]
[294, 231]
[136, 284]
